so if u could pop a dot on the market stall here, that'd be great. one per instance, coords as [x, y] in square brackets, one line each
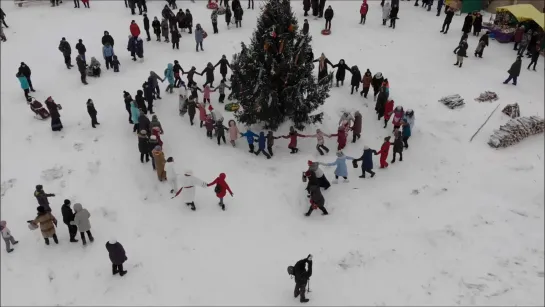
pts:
[508, 18]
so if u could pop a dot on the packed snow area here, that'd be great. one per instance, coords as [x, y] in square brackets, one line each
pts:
[455, 223]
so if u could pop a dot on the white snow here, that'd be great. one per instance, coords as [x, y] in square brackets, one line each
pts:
[455, 223]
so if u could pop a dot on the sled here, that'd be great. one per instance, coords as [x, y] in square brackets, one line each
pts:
[326, 32]
[212, 5]
[232, 107]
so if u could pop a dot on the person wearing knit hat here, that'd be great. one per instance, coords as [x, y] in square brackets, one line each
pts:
[6, 235]
[340, 166]
[143, 145]
[47, 223]
[384, 150]
[159, 158]
[189, 183]
[314, 167]
[68, 217]
[367, 161]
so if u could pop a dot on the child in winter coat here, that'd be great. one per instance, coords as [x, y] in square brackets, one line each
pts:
[206, 94]
[341, 138]
[108, 54]
[270, 142]
[221, 188]
[405, 132]
[398, 146]
[209, 125]
[81, 220]
[156, 131]
[366, 80]
[6, 235]
[24, 84]
[384, 150]
[199, 37]
[293, 140]
[156, 123]
[385, 13]
[356, 128]
[202, 113]
[261, 145]
[398, 115]
[233, 132]
[221, 89]
[214, 18]
[388, 111]
[94, 67]
[341, 169]
[363, 11]
[409, 117]
[143, 145]
[317, 200]
[320, 141]
[115, 63]
[220, 131]
[160, 162]
[169, 76]
[376, 82]
[367, 161]
[250, 136]
[152, 143]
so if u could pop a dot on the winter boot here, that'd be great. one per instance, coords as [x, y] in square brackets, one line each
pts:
[46, 241]
[460, 65]
[91, 239]
[122, 273]
[304, 300]
[83, 240]
[457, 63]
[193, 207]
[15, 242]
[55, 239]
[10, 250]
[73, 240]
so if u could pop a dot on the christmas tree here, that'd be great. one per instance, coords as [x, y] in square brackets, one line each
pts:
[272, 77]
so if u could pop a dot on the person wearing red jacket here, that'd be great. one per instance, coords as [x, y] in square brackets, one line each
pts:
[135, 29]
[85, 3]
[363, 11]
[388, 110]
[293, 140]
[341, 138]
[383, 152]
[519, 33]
[221, 188]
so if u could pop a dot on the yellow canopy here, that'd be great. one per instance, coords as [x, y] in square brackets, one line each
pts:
[525, 12]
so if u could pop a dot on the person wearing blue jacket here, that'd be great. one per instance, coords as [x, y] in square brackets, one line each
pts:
[250, 135]
[135, 113]
[108, 54]
[169, 75]
[367, 161]
[262, 145]
[341, 170]
[405, 132]
[24, 84]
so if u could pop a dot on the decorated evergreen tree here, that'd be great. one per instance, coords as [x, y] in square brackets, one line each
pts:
[273, 77]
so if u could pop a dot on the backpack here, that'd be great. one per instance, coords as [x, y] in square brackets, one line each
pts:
[217, 189]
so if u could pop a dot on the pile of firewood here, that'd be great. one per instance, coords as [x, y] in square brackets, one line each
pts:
[453, 101]
[512, 110]
[516, 130]
[487, 96]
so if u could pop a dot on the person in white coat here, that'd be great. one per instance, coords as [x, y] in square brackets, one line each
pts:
[172, 174]
[386, 13]
[189, 183]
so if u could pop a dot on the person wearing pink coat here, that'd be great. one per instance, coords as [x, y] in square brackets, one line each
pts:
[233, 132]
[202, 113]
[206, 94]
[320, 141]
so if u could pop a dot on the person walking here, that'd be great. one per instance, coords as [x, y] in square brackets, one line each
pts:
[7, 236]
[47, 223]
[514, 71]
[81, 220]
[448, 19]
[302, 272]
[117, 255]
[92, 112]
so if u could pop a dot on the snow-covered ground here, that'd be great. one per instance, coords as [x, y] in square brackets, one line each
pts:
[454, 223]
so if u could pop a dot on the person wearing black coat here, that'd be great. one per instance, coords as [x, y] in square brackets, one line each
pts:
[448, 19]
[66, 50]
[128, 99]
[146, 26]
[317, 200]
[461, 53]
[356, 79]
[67, 217]
[149, 96]
[393, 16]
[190, 74]
[107, 38]
[143, 145]
[117, 256]
[82, 66]
[175, 38]
[178, 71]
[514, 71]
[306, 7]
[189, 21]
[302, 275]
[328, 17]
[322, 66]
[143, 5]
[144, 123]
[224, 64]
[398, 147]
[468, 21]
[209, 70]
[381, 103]
[3, 18]
[228, 15]
[42, 197]
[191, 109]
[24, 69]
[376, 83]
[341, 71]
[92, 112]
[141, 103]
[156, 25]
[535, 56]
[321, 7]
[80, 47]
[238, 16]
[306, 27]
[478, 25]
[220, 131]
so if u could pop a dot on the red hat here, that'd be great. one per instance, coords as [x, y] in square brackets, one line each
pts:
[210, 108]
[309, 163]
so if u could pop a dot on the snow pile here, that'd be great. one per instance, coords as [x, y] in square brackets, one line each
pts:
[487, 96]
[512, 110]
[453, 101]
[516, 130]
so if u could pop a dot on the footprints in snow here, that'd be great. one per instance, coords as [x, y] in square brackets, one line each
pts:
[53, 173]
[6, 185]
[436, 192]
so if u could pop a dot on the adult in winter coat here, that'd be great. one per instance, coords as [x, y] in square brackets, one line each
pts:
[92, 112]
[24, 69]
[448, 19]
[141, 104]
[384, 150]
[228, 15]
[376, 82]
[80, 47]
[159, 158]
[81, 220]
[356, 79]
[153, 80]
[322, 66]
[519, 34]
[47, 223]
[320, 138]
[514, 71]
[188, 189]
[317, 200]
[42, 197]
[341, 137]
[468, 21]
[250, 136]
[302, 275]
[208, 70]
[386, 13]
[525, 42]
[367, 161]
[366, 81]
[340, 166]
[221, 188]
[108, 54]
[175, 38]
[24, 85]
[199, 37]
[314, 167]
[66, 50]
[135, 114]
[169, 76]
[306, 7]
[68, 218]
[341, 71]
[165, 29]
[381, 104]
[363, 11]
[461, 53]
[483, 42]
[388, 111]
[393, 16]
[53, 108]
[149, 96]
[214, 18]
[144, 123]
[315, 7]
[134, 28]
[238, 12]
[156, 25]
[328, 15]
[535, 56]
[321, 7]
[117, 255]
[146, 26]
[306, 27]
[127, 99]
[398, 146]
[356, 127]
[405, 132]
[136, 47]
[410, 118]
[477, 24]
[224, 64]
[7, 236]
[143, 145]
[190, 75]
[107, 38]
[293, 135]
[189, 21]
